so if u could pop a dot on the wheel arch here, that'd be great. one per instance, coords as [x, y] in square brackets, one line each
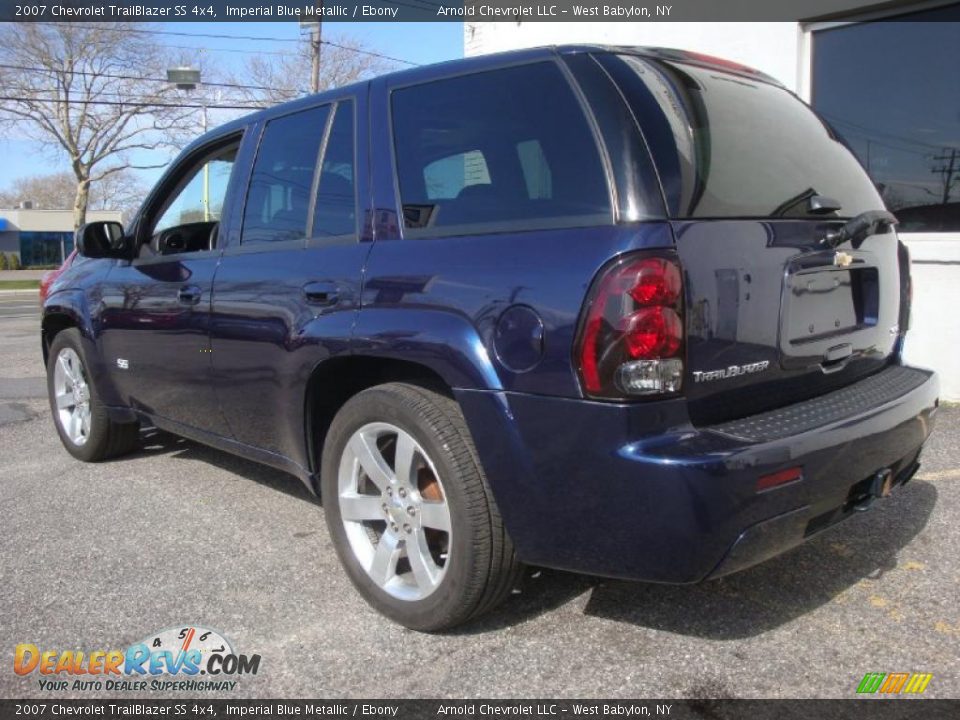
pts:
[68, 309]
[55, 320]
[333, 382]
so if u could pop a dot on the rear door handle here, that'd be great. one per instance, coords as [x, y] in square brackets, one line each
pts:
[189, 295]
[323, 293]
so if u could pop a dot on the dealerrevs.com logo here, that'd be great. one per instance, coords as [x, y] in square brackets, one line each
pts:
[187, 658]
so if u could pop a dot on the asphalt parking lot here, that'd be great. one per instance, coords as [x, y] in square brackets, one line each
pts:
[100, 556]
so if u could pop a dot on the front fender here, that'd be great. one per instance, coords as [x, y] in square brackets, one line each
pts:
[70, 305]
[70, 308]
[445, 342]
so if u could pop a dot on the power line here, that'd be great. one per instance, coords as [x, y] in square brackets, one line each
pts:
[369, 52]
[214, 36]
[118, 103]
[124, 98]
[113, 76]
[881, 133]
[220, 36]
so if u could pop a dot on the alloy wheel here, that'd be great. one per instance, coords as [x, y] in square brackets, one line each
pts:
[72, 396]
[394, 511]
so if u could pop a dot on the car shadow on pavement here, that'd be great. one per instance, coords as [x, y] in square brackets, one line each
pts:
[742, 605]
[158, 442]
[748, 603]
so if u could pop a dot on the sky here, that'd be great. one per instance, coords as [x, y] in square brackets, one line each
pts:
[421, 43]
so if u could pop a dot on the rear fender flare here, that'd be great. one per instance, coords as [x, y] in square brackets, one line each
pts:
[445, 342]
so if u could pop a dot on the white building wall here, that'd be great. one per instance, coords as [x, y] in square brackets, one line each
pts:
[934, 337]
[780, 49]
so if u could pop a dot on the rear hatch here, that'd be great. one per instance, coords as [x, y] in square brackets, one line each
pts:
[754, 181]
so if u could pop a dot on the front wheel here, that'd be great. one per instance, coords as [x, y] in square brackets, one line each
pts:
[85, 428]
[410, 511]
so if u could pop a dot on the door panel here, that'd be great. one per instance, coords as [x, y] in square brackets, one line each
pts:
[157, 343]
[267, 335]
[156, 308]
[287, 291]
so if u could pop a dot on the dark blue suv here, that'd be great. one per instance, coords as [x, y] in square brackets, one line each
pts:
[627, 312]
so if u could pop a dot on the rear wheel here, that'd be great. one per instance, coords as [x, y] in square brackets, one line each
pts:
[81, 420]
[410, 511]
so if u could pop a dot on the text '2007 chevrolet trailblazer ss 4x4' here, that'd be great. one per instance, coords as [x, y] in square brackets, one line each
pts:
[626, 312]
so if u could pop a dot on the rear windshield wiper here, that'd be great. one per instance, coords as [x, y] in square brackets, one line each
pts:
[814, 202]
[857, 229]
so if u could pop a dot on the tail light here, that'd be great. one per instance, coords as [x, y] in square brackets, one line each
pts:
[631, 338]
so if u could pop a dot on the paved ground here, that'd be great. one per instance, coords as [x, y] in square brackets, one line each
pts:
[99, 556]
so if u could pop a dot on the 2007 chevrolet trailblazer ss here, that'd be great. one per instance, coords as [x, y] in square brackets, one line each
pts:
[628, 312]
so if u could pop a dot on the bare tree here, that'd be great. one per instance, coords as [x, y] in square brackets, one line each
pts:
[47, 192]
[89, 90]
[121, 191]
[285, 77]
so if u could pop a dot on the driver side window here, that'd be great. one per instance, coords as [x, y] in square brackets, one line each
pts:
[190, 217]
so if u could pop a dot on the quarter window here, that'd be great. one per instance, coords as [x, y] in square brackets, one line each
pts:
[278, 200]
[506, 149]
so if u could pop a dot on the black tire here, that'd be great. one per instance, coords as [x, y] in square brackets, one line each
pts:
[481, 567]
[106, 438]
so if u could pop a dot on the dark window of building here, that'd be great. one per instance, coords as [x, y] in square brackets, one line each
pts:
[505, 149]
[336, 207]
[278, 200]
[892, 91]
[44, 248]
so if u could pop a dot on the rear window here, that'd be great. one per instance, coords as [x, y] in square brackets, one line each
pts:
[507, 149]
[729, 146]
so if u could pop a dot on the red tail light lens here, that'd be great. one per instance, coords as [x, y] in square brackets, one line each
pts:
[631, 339]
[654, 281]
[652, 333]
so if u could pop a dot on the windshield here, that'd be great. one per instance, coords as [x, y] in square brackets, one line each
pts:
[729, 146]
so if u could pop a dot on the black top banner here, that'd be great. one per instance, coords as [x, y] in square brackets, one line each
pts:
[306, 11]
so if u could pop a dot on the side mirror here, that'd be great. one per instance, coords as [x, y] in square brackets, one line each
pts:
[101, 239]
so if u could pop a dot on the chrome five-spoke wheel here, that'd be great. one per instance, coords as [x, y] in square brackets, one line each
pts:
[394, 511]
[72, 396]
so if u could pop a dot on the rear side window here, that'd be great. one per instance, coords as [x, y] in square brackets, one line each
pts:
[508, 149]
[278, 200]
[731, 146]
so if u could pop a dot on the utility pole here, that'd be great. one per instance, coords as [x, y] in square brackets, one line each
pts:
[947, 171]
[315, 45]
[206, 165]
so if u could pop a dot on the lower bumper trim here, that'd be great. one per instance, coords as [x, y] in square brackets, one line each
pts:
[775, 536]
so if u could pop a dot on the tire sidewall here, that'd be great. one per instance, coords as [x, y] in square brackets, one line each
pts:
[380, 405]
[71, 338]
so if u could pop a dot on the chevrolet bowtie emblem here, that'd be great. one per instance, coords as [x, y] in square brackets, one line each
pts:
[842, 259]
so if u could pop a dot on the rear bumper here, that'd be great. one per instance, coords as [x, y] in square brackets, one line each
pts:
[602, 489]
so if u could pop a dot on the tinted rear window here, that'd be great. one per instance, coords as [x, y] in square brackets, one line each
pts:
[500, 150]
[729, 146]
